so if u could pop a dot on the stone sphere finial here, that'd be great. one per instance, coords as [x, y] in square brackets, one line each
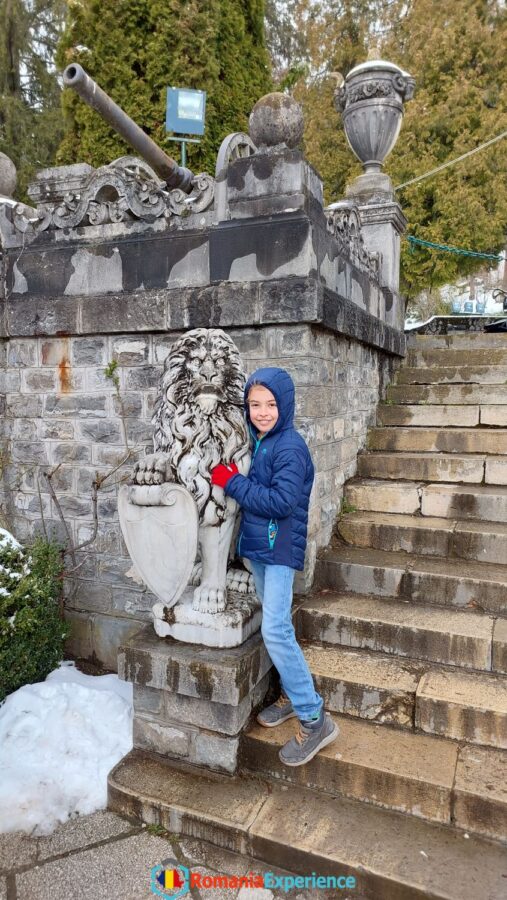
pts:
[8, 176]
[276, 120]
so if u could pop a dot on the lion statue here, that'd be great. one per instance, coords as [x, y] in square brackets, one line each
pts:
[199, 422]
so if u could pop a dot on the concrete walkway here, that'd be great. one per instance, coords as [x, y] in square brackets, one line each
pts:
[106, 857]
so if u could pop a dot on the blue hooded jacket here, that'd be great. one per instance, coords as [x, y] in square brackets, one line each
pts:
[274, 497]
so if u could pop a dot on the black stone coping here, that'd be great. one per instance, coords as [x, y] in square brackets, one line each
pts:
[345, 317]
[282, 301]
[146, 304]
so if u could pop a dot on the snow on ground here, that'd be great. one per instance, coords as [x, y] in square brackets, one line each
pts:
[59, 739]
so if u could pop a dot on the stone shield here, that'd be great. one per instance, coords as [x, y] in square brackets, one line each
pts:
[160, 526]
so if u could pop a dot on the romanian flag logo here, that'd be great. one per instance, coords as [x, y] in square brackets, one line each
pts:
[170, 879]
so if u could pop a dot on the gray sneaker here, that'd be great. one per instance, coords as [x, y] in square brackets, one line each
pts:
[278, 712]
[309, 740]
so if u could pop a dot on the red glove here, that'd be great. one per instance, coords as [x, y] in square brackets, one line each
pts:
[221, 474]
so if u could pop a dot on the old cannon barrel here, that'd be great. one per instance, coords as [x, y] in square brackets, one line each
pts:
[174, 175]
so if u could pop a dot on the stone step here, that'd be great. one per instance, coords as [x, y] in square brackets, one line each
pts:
[493, 415]
[500, 646]
[391, 856]
[434, 467]
[443, 375]
[442, 415]
[382, 689]
[425, 580]
[479, 502]
[422, 416]
[459, 340]
[463, 705]
[430, 467]
[399, 628]
[397, 770]
[369, 686]
[377, 495]
[460, 394]
[453, 356]
[480, 791]
[426, 535]
[444, 440]
[408, 693]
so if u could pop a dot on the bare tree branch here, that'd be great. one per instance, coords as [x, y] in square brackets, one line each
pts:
[44, 529]
[95, 492]
[71, 551]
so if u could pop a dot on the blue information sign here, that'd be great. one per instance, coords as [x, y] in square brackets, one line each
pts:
[186, 110]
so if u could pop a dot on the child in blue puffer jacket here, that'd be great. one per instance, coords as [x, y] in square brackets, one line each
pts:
[274, 500]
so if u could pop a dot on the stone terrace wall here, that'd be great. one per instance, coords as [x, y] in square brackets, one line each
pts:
[294, 286]
[60, 409]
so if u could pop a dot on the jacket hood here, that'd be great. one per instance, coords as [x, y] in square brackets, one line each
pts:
[281, 385]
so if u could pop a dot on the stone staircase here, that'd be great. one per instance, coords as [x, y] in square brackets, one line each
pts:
[406, 636]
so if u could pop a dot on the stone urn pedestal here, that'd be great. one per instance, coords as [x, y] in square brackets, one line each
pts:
[371, 102]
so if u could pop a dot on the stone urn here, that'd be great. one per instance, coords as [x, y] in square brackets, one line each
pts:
[371, 102]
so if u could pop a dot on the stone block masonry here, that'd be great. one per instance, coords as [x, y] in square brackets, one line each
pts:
[61, 410]
[190, 702]
[293, 286]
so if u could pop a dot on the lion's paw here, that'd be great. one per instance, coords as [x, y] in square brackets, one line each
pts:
[240, 581]
[152, 469]
[195, 575]
[208, 599]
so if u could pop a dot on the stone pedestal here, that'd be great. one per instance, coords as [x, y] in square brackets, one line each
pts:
[270, 183]
[191, 702]
[382, 226]
[229, 628]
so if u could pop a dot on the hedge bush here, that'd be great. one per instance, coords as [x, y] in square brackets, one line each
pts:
[32, 632]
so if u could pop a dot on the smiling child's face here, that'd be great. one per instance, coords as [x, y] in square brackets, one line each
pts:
[262, 409]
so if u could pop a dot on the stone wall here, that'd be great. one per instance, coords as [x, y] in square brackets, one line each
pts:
[293, 286]
[61, 410]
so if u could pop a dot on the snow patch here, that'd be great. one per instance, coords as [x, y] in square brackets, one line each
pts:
[59, 739]
[7, 539]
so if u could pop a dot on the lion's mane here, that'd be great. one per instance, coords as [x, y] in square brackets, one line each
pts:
[195, 441]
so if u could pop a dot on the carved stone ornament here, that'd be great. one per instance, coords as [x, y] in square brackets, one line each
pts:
[371, 102]
[126, 189]
[237, 145]
[234, 146]
[276, 121]
[198, 422]
[344, 221]
[160, 525]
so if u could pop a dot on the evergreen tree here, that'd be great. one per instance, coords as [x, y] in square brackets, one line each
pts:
[109, 40]
[337, 40]
[456, 51]
[30, 114]
[136, 49]
[287, 43]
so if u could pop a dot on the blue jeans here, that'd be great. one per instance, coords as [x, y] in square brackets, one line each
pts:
[273, 585]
